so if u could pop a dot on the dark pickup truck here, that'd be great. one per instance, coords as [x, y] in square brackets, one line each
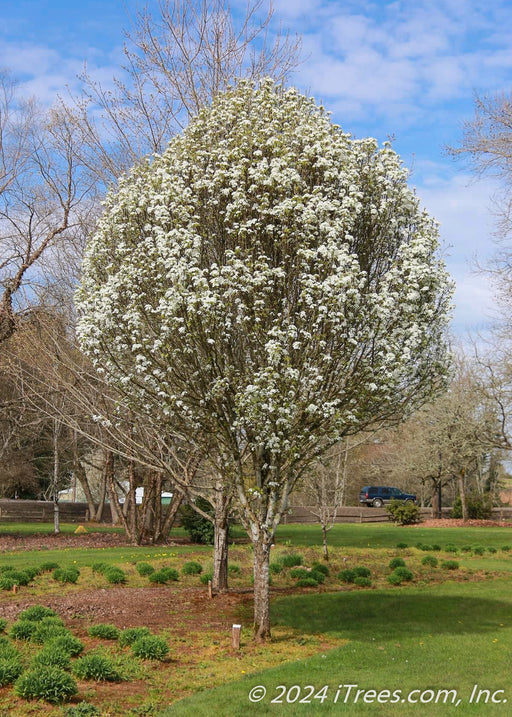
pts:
[377, 496]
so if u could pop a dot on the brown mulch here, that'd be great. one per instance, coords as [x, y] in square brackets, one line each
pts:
[455, 523]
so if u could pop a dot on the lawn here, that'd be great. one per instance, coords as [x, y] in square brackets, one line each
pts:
[446, 630]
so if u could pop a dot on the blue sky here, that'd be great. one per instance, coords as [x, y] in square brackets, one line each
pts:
[406, 69]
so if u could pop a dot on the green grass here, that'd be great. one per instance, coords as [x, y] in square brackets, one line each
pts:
[454, 636]
[48, 528]
[387, 535]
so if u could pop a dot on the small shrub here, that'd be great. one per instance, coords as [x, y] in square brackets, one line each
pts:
[199, 529]
[47, 683]
[3, 624]
[20, 577]
[363, 582]
[150, 647]
[82, 709]
[22, 630]
[362, 572]
[291, 561]
[400, 575]
[347, 576]
[96, 667]
[48, 567]
[104, 631]
[436, 547]
[205, 578]
[194, 568]
[299, 573]
[66, 642]
[100, 567]
[47, 629]
[32, 572]
[396, 563]
[164, 575]
[308, 582]
[7, 649]
[66, 575]
[234, 569]
[492, 549]
[275, 568]
[450, 565]
[321, 568]
[128, 636]
[505, 548]
[466, 548]
[115, 576]
[427, 547]
[403, 513]
[36, 613]
[7, 582]
[316, 575]
[451, 548]
[478, 549]
[144, 569]
[479, 506]
[51, 657]
[10, 669]
[402, 546]
[430, 560]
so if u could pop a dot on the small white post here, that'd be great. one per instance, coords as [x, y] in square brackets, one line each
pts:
[235, 639]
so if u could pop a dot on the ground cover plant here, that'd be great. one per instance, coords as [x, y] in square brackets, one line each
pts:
[194, 632]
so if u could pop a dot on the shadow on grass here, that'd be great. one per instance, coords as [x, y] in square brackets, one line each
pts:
[383, 615]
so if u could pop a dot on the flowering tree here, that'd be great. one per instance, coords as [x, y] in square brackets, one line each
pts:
[270, 284]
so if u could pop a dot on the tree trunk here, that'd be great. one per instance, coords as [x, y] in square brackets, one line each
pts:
[261, 587]
[462, 493]
[324, 539]
[436, 503]
[220, 539]
[56, 470]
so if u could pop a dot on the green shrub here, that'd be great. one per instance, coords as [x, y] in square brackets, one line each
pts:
[478, 549]
[66, 575]
[318, 576]
[308, 582]
[10, 669]
[115, 576]
[362, 572]
[22, 630]
[479, 506]
[67, 642]
[399, 575]
[363, 582]
[347, 575]
[47, 629]
[430, 560]
[451, 548]
[47, 683]
[450, 565]
[164, 575]
[7, 649]
[427, 547]
[20, 577]
[7, 582]
[82, 709]
[48, 567]
[275, 568]
[466, 548]
[290, 561]
[402, 545]
[104, 631]
[299, 573]
[505, 548]
[150, 647]
[96, 667]
[100, 567]
[36, 613]
[205, 578]
[234, 569]
[199, 529]
[195, 568]
[436, 547]
[403, 513]
[321, 568]
[144, 569]
[51, 657]
[3, 624]
[492, 549]
[128, 636]
[32, 572]
[396, 563]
